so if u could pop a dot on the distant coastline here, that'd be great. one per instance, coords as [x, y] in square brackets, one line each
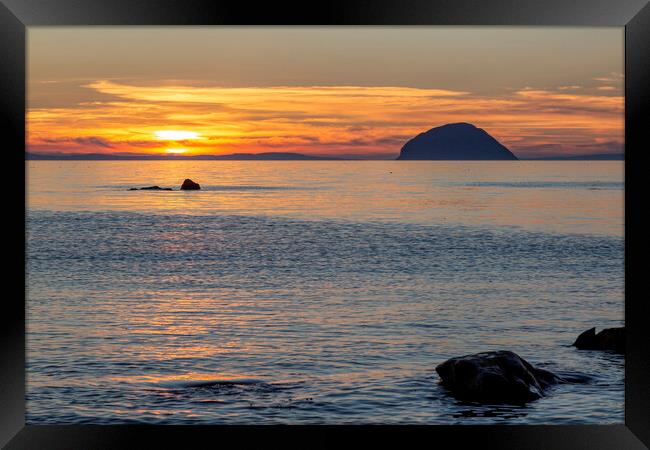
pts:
[270, 156]
[30, 156]
[459, 141]
[595, 157]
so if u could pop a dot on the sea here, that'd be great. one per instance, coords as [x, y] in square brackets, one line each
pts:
[317, 292]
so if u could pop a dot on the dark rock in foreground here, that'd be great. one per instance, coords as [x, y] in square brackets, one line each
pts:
[151, 188]
[495, 377]
[189, 185]
[455, 141]
[608, 339]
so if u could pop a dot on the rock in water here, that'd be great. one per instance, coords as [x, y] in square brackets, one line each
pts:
[455, 141]
[495, 377]
[608, 339]
[189, 185]
[150, 188]
[155, 188]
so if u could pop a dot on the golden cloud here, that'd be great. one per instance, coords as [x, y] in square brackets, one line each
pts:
[322, 119]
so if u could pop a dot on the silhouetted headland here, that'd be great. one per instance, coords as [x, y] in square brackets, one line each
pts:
[274, 156]
[592, 157]
[455, 141]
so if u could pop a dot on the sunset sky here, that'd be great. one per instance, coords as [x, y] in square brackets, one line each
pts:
[339, 91]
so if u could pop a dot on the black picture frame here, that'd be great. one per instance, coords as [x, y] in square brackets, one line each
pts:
[634, 15]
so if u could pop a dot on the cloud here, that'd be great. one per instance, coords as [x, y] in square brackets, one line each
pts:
[92, 141]
[99, 142]
[326, 119]
[614, 77]
[253, 95]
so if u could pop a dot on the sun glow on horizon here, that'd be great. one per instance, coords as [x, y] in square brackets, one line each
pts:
[176, 135]
[333, 120]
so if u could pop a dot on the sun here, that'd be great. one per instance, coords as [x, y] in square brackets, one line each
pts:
[176, 150]
[176, 135]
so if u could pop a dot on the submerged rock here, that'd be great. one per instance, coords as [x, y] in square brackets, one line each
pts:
[189, 185]
[495, 377]
[150, 188]
[608, 339]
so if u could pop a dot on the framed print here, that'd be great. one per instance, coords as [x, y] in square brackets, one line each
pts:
[389, 220]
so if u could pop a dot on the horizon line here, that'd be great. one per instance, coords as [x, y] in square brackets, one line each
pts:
[274, 156]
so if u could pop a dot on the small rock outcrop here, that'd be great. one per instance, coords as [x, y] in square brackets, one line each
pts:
[150, 188]
[189, 185]
[612, 339]
[495, 377]
[455, 141]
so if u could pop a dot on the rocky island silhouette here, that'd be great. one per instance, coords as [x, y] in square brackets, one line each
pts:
[455, 141]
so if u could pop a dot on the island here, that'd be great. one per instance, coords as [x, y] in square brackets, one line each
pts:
[455, 141]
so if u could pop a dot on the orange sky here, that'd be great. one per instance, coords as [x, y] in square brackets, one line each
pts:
[151, 113]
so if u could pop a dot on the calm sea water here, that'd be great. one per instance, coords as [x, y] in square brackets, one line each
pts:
[316, 292]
